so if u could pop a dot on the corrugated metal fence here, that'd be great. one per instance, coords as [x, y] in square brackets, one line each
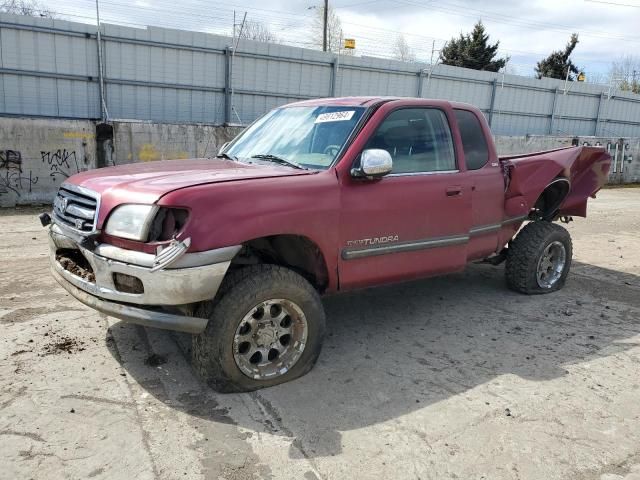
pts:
[50, 68]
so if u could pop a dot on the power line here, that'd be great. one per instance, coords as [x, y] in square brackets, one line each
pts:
[373, 41]
[460, 10]
[613, 3]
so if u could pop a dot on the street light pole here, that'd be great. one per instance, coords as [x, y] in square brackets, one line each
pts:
[324, 30]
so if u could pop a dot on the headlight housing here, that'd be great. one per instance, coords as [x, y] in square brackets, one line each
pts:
[131, 221]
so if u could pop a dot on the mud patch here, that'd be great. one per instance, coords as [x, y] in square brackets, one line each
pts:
[155, 360]
[20, 352]
[73, 261]
[202, 405]
[20, 315]
[64, 344]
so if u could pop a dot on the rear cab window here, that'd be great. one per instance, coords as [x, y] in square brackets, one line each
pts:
[474, 143]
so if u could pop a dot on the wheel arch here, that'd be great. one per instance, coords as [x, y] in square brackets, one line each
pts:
[297, 252]
[548, 203]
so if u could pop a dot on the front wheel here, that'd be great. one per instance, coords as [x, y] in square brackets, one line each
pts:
[265, 328]
[539, 258]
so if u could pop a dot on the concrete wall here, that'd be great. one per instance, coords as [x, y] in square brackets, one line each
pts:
[625, 167]
[145, 142]
[37, 155]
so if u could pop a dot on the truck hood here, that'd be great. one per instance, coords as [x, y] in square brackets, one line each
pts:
[147, 182]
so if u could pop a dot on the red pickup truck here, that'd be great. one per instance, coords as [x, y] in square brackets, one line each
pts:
[315, 197]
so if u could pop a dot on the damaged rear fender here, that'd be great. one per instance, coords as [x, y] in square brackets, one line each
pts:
[560, 181]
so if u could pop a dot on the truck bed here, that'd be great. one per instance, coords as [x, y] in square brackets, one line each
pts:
[528, 175]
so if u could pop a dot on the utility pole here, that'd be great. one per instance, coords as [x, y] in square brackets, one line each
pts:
[324, 29]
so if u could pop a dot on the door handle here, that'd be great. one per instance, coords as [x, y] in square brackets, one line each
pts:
[454, 191]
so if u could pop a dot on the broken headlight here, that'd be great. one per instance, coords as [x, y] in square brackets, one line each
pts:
[167, 224]
[131, 221]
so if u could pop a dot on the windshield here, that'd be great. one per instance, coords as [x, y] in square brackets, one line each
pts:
[310, 137]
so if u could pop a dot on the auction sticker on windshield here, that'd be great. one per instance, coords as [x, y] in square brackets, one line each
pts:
[335, 116]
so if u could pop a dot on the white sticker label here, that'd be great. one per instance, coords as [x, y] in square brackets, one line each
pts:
[335, 116]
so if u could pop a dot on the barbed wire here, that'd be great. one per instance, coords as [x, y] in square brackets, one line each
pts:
[287, 27]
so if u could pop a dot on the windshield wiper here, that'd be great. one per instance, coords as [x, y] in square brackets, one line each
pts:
[227, 156]
[280, 160]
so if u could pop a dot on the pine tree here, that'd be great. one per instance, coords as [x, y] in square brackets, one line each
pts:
[558, 64]
[473, 50]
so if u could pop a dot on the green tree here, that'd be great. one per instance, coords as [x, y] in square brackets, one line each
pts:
[473, 50]
[558, 64]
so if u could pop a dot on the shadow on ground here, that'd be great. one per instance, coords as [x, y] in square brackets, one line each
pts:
[392, 350]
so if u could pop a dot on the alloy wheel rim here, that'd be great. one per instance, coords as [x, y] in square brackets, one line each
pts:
[270, 339]
[551, 265]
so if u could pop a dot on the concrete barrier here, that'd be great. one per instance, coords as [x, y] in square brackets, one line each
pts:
[146, 142]
[625, 152]
[36, 155]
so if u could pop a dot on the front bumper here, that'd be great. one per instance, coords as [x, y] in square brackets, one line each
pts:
[194, 278]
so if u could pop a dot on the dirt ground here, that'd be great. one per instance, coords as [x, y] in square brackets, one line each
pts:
[454, 377]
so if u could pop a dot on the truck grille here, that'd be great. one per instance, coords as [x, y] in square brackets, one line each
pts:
[76, 208]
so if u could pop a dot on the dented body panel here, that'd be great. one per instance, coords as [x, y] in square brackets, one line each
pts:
[526, 176]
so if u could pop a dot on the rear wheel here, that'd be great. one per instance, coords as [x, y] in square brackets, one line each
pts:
[265, 328]
[539, 258]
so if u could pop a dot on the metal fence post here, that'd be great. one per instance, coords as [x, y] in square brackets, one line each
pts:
[494, 88]
[597, 127]
[227, 86]
[334, 77]
[104, 113]
[553, 111]
[420, 82]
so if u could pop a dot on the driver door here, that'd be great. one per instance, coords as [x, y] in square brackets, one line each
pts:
[415, 221]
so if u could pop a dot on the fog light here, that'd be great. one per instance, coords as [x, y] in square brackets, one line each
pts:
[127, 283]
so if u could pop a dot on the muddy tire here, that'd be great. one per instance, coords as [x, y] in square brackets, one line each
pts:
[539, 258]
[266, 327]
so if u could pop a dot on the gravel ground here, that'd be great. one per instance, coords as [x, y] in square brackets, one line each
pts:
[453, 377]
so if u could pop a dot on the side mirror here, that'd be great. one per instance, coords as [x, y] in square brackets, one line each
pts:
[374, 163]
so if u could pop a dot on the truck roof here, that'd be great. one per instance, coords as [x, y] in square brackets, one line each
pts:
[367, 101]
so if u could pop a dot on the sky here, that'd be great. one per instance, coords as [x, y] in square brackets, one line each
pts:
[527, 30]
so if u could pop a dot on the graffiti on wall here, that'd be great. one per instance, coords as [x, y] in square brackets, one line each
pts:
[61, 162]
[12, 177]
[16, 179]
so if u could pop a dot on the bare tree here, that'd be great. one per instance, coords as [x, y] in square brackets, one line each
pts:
[625, 73]
[334, 29]
[25, 7]
[402, 51]
[258, 31]
[597, 78]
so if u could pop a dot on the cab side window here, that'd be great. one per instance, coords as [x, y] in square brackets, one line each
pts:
[418, 140]
[474, 143]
